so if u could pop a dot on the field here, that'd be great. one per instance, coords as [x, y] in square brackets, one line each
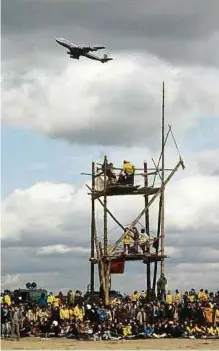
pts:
[64, 344]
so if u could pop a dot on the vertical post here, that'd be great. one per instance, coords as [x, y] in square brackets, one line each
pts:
[147, 228]
[105, 241]
[105, 210]
[162, 178]
[92, 232]
[157, 247]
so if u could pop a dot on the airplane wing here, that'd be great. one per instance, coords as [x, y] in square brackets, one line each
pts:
[87, 49]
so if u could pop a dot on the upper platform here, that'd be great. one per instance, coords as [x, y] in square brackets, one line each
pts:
[116, 189]
[145, 257]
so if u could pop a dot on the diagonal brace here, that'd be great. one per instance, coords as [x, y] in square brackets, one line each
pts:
[180, 163]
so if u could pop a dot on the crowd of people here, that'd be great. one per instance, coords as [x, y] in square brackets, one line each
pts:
[187, 315]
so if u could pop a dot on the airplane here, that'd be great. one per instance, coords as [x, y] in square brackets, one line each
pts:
[76, 51]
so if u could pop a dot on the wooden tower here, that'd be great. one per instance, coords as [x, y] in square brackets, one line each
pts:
[111, 258]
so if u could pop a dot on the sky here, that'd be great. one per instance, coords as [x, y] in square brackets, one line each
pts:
[59, 115]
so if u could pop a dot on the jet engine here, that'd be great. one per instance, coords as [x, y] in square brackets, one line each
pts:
[73, 57]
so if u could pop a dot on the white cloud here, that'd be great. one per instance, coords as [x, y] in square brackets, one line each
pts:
[40, 209]
[60, 249]
[192, 203]
[91, 103]
[209, 161]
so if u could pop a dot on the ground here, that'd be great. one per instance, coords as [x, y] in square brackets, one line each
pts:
[65, 344]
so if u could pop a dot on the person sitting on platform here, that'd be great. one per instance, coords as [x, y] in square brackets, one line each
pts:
[122, 179]
[144, 241]
[109, 172]
[126, 240]
[129, 171]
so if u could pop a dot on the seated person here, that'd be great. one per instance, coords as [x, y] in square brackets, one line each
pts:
[144, 241]
[122, 178]
[129, 171]
[109, 172]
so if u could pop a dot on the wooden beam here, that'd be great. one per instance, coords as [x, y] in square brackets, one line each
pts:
[147, 228]
[162, 177]
[92, 233]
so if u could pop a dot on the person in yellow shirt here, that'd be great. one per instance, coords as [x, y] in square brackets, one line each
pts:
[129, 171]
[191, 297]
[7, 299]
[127, 331]
[126, 240]
[199, 332]
[169, 298]
[211, 331]
[79, 312]
[134, 297]
[201, 295]
[51, 298]
[116, 301]
[56, 302]
[64, 313]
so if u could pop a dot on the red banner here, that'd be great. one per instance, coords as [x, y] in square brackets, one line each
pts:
[117, 267]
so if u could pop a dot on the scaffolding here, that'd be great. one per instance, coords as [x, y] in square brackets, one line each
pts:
[111, 258]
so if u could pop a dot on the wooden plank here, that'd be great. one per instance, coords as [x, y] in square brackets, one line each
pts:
[126, 191]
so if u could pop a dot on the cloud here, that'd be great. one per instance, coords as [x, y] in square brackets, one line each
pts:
[60, 249]
[209, 161]
[81, 104]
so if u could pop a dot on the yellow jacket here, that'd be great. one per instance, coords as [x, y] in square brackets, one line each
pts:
[56, 302]
[127, 239]
[211, 331]
[134, 297]
[51, 299]
[79, 312]
[128, 168]
[169, 299]
[71, 312]
[127, 330]
[7, 300]
[191, 298]
[64, 313]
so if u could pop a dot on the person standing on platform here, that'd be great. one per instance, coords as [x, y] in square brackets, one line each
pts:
[126, 240]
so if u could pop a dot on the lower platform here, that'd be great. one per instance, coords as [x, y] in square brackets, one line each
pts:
[139, 257]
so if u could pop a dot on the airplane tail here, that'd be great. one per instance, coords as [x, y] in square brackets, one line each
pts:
[106, 58]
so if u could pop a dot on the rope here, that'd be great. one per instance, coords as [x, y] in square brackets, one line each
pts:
[174, 140]
[161, 154]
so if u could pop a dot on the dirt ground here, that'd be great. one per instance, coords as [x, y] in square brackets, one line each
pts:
[65, 344]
